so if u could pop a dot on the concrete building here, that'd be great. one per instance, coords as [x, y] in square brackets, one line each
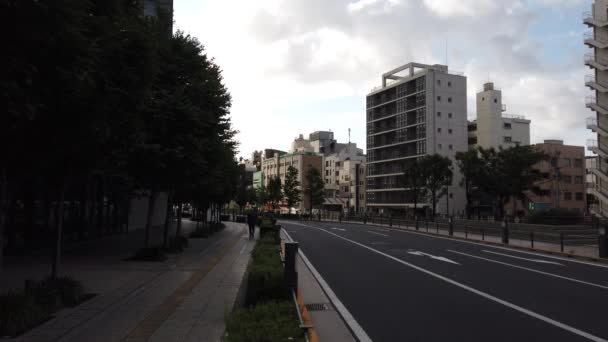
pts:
[563, 180]
[597, 81]
[492, 128]
[418, 110]
[302, 161]
[591, 182]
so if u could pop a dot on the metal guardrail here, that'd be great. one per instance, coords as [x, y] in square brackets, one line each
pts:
[562, 236]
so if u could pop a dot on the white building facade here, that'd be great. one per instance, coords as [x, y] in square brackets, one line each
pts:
[492, 128]
[419, 110]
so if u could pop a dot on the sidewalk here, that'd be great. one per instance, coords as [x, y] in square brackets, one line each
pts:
[183, 299]
[327, 323]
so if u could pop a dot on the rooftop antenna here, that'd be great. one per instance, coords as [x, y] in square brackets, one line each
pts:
[349, 136]
[446, 52]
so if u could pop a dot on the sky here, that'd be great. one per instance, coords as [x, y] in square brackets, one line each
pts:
[297, 66]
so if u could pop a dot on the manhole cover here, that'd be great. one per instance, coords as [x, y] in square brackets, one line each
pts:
[318, 307]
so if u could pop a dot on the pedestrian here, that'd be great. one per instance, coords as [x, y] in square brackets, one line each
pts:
[252, 220]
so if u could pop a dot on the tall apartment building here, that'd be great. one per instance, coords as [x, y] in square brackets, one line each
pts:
[492, 128]
[419, 109]
[597, 39]
[276, 166]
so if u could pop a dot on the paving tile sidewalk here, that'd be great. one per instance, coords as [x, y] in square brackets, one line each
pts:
[211, 267]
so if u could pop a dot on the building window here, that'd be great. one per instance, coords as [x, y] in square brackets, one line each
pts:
[568, 196]
[507, 139]
[449, 84]
[567, 179]
[578, 162]
[439, 98]
[327, 172]
[439, 146]
[439, 82]
[507, 125]
[451, 195]
[579, 196]
[450, 99]
[483, 99]
[495, 101]
[439, 130]
[449, 115]
[578, 180]
[438, 114]
[450, 146]
[449, 131]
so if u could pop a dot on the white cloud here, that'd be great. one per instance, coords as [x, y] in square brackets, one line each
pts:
[288, 62]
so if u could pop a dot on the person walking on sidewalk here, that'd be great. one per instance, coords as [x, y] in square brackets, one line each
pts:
[252, 220]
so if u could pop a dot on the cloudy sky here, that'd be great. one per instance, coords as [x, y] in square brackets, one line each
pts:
[296, 66]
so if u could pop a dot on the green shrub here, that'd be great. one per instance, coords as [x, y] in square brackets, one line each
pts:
[200, 233]
[150, 254]
[51, 294]
[271, 321]
[18, 313]
[265, 280]
[556, 216]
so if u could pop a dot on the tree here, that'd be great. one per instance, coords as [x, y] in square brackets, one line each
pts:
[437, 172]
[414, 181]
[315, 188]
[471, 168]
[516, 167]
[291, 188]
[275, 194]
[261, 195]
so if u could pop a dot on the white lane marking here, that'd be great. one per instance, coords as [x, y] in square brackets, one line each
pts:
[341, 229]
[531, 270]
[488, 246]
[440, 258]
[527, 259]
[369, 231]
[346, 315]
[477, 292]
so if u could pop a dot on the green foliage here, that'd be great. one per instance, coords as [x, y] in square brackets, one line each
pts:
[556, 216]
[18, 313]
[291, 188]
[265, 281]
[414, 180]
[315, 187]
[270, 321]
[437, 171]
[274, 192]
[471, 167]
[156, 254]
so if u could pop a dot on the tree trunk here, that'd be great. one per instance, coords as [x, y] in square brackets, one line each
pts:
[58, 232]
[151, 201]
[178, 229]
[4, 200]
[168, 216]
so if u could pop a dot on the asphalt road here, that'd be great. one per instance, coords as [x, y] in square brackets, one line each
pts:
[407, 286]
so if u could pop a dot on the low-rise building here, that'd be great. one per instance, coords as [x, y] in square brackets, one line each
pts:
[563, 180]
[302, 161]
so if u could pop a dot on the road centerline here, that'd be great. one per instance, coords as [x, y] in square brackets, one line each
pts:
[488, 296]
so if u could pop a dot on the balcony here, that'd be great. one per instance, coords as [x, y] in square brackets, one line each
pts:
[593, 41]
[592, 124]
[592, 145]
[596, 62]
[591, 103]
[592, 83]
[598, 173]
[590, 21]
